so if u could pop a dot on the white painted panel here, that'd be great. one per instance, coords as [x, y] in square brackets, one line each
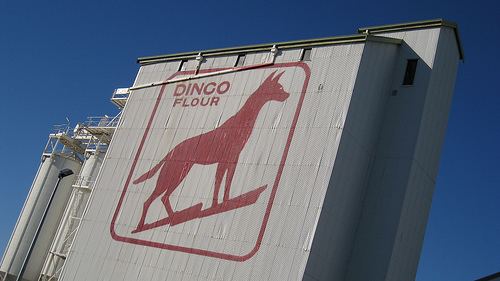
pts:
[399, 192]
[418, 197]
[346, 188]
[422, 41]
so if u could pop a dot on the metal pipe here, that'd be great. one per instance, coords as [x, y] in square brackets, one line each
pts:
[204, 75]
[63, 173]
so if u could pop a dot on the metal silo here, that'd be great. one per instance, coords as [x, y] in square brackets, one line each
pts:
[95, 135]
[71, 218]
[53, 161]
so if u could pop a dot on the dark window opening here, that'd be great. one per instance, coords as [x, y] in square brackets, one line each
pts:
[182, 65]
[240, 60]
[411, 69]
[306, 54]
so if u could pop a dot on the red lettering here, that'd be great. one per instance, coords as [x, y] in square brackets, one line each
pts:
[195, 101]
[177, 101]
[214, 101]
[197, 88]
[202, 103]
[179, 90]
[223, 87]
[209, 92]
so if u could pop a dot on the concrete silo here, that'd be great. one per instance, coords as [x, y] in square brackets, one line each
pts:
[53, 161]
[82, 151]
[94, 135]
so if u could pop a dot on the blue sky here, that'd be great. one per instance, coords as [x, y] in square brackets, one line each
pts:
[62, 59]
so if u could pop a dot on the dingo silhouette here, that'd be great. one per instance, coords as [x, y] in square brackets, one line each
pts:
[223, 146]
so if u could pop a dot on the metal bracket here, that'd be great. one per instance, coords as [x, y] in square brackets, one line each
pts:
[198, 58]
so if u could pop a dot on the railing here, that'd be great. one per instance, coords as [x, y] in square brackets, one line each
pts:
[59, 250]
[53, 144]
[60, 129]
[59, 263]
[102, 121]
[120, 97]
[84, 181]
[120, 93]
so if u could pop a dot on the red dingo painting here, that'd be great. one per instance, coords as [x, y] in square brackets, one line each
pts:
[222, 147]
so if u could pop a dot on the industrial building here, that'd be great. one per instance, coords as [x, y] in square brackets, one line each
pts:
[301, 160]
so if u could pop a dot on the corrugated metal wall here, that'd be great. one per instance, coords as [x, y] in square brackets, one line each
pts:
[334, 239]
[232, 235]
[418, 197]
[399, 193]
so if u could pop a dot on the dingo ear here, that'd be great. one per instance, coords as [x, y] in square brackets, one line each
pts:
[270, 77]
[277, 78]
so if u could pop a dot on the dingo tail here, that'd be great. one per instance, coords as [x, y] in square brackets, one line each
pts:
[149, 174]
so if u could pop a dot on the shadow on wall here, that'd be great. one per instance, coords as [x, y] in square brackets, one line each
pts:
[360, 217]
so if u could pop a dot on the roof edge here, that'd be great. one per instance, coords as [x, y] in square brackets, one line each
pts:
[416, 25]
[364, 34]
[357, 38]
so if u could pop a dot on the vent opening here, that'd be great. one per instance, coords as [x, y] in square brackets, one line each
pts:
[240, 60]
[182, 65]
[306, 54]
[411, 69]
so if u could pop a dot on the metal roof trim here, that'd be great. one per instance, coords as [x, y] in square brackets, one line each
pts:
[416, 25]
[357, 38]
[364, 34]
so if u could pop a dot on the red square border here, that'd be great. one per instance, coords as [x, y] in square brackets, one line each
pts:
[202, 252]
